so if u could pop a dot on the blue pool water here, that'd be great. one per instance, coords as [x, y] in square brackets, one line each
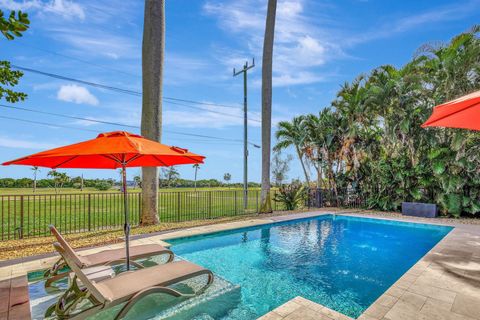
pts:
[344, 263]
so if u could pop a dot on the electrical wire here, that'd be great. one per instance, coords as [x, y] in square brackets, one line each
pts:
[120, 90]
[102, 122]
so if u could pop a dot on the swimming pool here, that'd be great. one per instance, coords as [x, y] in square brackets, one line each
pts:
[344, 263]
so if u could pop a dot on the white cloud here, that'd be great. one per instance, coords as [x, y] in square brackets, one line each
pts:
[76, 94]
[9, 142]
[300, 43]
[208, 119]
[104, 43]
[64, 8]
[303, 77]
[179, 69]
[307, 40]
[408, 23]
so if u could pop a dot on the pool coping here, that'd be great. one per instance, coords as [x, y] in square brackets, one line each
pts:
[443, 284]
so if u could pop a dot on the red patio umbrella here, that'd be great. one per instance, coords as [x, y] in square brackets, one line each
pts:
[463, 113]
[112, 150]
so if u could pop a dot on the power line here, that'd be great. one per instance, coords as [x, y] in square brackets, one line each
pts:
[88, 83]
[102, 122]
[83, 129]
[203, 103]
[80, 60]
[218, 112]
[138, 94]
[70, 117]
[45, 123]
[121, 90]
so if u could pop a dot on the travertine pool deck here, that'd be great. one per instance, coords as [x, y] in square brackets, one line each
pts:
[443, 285]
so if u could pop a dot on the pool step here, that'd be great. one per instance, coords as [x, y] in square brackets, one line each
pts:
[218, 300]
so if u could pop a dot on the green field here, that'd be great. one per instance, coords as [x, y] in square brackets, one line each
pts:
[25, 191]
[27, 214]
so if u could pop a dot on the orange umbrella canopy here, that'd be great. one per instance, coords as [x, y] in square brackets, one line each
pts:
[111, 150]
[463, 113]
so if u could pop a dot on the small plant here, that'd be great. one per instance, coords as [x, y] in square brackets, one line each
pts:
[291, 195]
[103, 186]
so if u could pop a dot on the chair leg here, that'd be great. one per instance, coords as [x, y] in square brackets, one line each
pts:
[55, 278]
[157, 289]
[55, 269]
[171, 256]
[67, 302]
[130, 303]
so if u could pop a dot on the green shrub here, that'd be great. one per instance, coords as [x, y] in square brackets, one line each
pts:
[291, 196]
[103, 186]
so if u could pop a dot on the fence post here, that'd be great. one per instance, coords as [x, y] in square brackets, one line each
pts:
[140, 207]
[89, 212]
[209, 204]
[318, 198]
[235, 209]
[309, 197]
[178, 206]
[20, 233]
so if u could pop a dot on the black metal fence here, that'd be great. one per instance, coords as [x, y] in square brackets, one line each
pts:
[24, 216]
[344, 198]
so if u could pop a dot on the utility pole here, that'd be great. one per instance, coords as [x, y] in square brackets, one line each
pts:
[244, 70]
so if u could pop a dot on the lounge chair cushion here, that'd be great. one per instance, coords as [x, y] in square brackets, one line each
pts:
[125, 285]
[136, 252]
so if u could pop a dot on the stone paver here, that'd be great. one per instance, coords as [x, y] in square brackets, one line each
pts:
[303, 309]
[467, 306]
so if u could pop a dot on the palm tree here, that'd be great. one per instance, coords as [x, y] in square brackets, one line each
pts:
[267, 61]
[227, 177]
[138, 181]
[35, 172]
[196, 166]
[293, 134]
[153, 51]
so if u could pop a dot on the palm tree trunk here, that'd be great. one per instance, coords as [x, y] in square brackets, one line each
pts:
[196, 168]
[300, 156]
[267, 61]
[153, 51]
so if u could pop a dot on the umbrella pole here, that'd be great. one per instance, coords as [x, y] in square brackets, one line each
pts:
[126, 226]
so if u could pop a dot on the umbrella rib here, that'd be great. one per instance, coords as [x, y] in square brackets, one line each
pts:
[110, 157]
[66, 161]
[161, 161]
[135, 157]
[201, 161]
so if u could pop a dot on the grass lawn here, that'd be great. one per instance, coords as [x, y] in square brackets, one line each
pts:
[73, 212]
[29, 191]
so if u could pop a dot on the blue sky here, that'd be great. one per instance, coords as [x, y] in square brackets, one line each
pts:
[320, 44]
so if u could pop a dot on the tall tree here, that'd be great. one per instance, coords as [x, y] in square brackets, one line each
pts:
[11, 27]
[153, 51]
[293, 134]
[267, 62]
[280, 167]
[35, 172]
[370, 138]
[196, 166]
[227, 177]
[169, 175]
